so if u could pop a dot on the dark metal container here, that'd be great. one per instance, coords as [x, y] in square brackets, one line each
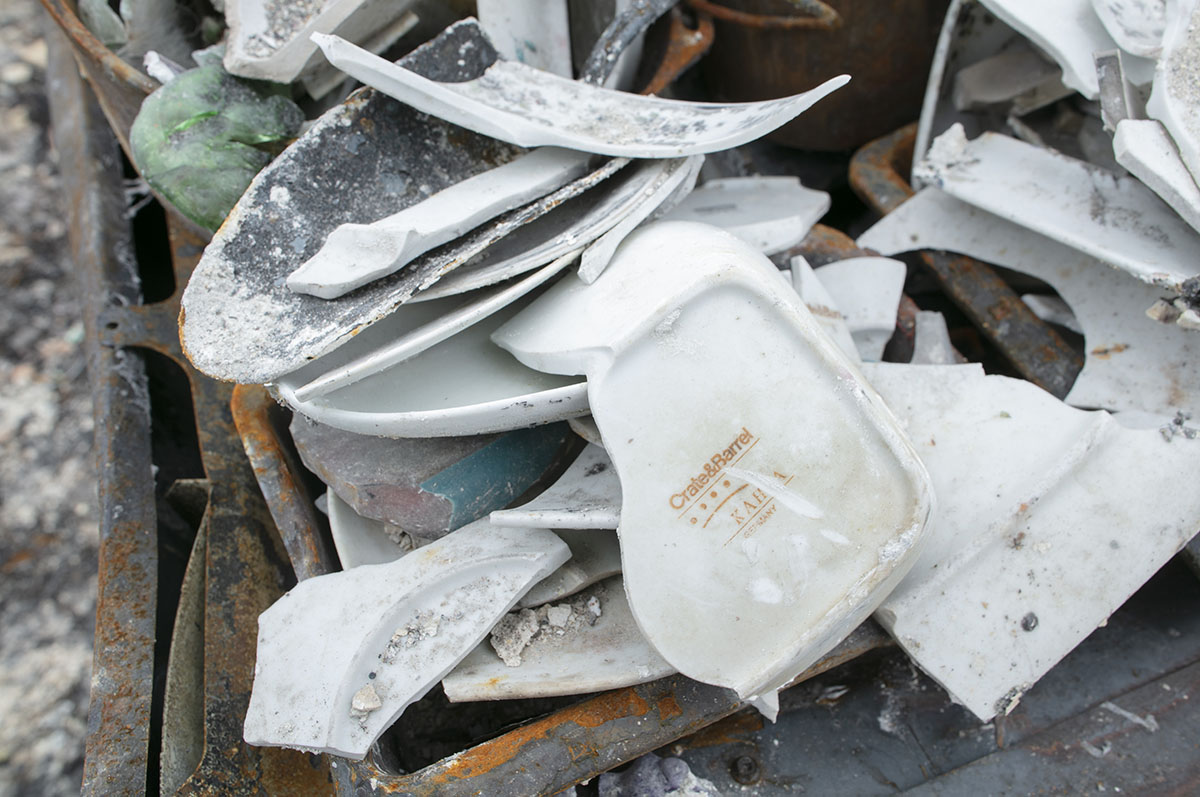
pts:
[772, 48]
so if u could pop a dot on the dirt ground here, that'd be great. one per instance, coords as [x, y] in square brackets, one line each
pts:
[48, 525]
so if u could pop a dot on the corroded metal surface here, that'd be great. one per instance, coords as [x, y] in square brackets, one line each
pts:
[1036, 351]
[772, 48]
[119, 87]
[246, 568]
[102, 249]
[685, 46]
[811, 15]
[274, 468]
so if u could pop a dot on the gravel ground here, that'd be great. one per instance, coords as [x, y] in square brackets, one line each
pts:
[48, 526]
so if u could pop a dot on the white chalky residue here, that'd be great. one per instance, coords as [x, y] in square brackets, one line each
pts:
[834, 537]
[765, 590]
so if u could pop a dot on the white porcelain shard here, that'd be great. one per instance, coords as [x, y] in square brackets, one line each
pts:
[1069, 32]
[516, 103]
[571, 226]
[1048, 519]
[361, 540]
[269, 40]
[1144, 148]
[533, 32]
[608, 654]
[866, 291]
[460, 386]
[1053, 310]
[824, 309]
[585, 427]
[1119, 99]
[595, 556]
[743, 440]
[1175, 99]
[411, 330]
[1114, 219]
[355, 254]
[586, 496]
[341, 656]
[1132, 362]
[1002, 78]
[931, 340]
[364, 541]
[1135, 25]
[657, 197]
[771, 213]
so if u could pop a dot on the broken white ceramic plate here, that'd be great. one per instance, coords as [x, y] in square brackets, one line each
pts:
[769, 213]
[411, 330]
[367, 158]
[270, 40]
[583, 658]
[463, 385]
[1115, 219]
[532, 32]
[824, 309]
[1175, 99]
[1069, 32]
[341, 656]
[1131, 362]
[866, 291]
[743, 527]
[658, 198]
[355, 254]
[1048, 519]
[595, 555]
[586, 496]
[1144, 148]
[516, 103]
[572, 225]
[1136, 26]
[361, 540]
[931, 340]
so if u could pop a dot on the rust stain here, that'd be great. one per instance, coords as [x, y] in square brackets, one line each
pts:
[668, 708]
[1104, 352]
[16, 560]
[736, 728]
[592, 713]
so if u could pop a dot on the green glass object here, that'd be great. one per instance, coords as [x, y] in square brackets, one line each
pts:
[200, 139]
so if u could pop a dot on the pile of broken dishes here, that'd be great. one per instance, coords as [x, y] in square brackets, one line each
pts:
[449, 264]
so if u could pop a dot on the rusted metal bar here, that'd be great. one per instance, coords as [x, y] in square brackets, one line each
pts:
[685, 46]
[119, 87]
[102, 252]
[1035, 350]
[276, 472]
[812, 15]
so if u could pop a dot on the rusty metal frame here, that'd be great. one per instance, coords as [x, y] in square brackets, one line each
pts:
[246, 569]
[1032, 346]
